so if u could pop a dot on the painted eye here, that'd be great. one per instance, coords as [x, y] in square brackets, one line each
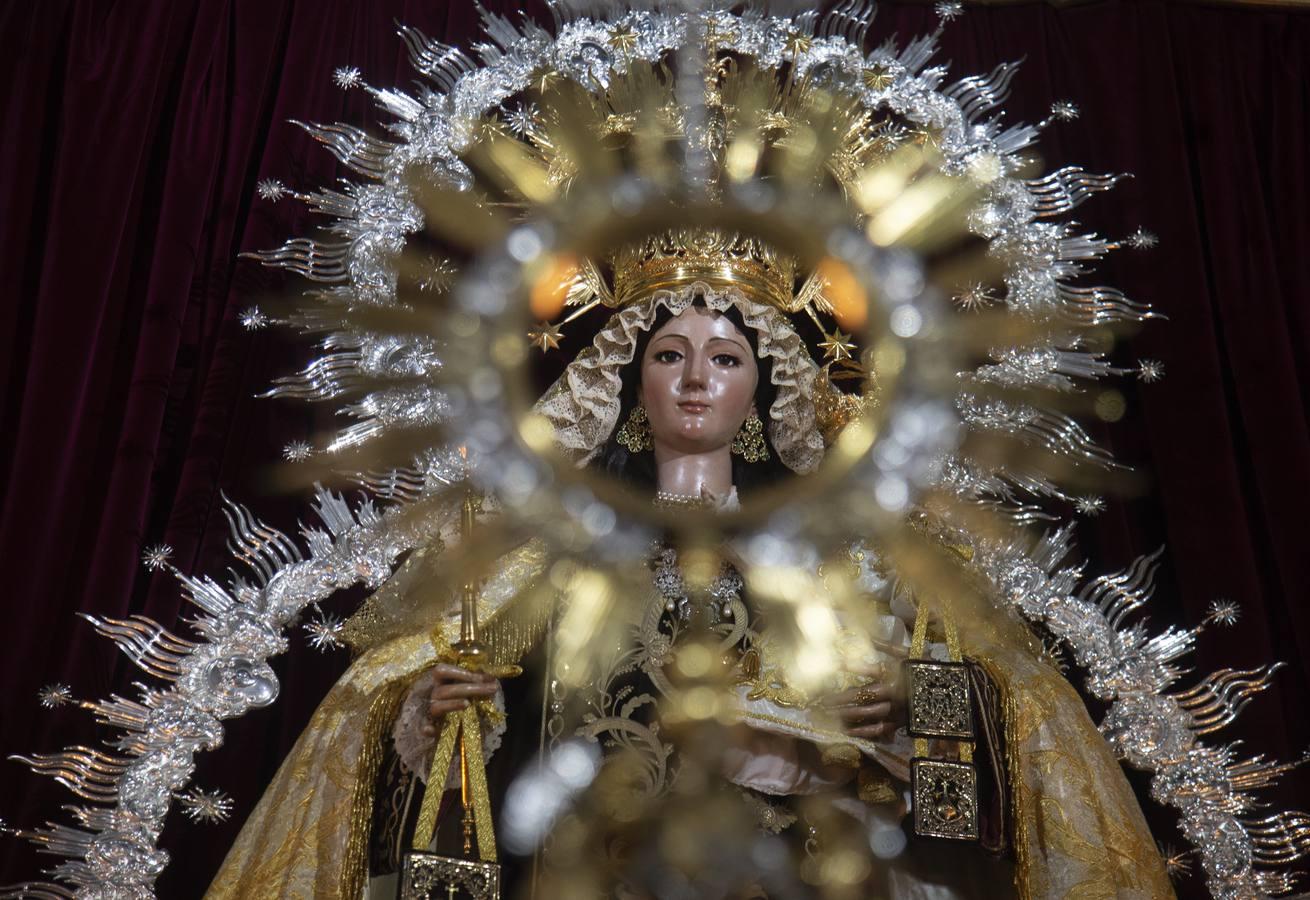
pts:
[727, 359]
[667, 356]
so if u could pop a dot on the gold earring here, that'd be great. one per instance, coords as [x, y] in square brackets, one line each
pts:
[749, 442]
[635, 434]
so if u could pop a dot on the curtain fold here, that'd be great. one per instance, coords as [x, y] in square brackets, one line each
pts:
[135, 134]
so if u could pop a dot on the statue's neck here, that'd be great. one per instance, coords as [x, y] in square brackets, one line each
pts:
[694, 474]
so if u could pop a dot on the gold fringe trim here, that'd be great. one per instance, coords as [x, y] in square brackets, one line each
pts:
[381, 713]
[1010, 724]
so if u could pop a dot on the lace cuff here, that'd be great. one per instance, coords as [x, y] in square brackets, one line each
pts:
[415, 748]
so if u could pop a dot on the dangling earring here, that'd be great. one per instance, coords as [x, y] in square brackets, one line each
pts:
[749, 442]
[635, 434]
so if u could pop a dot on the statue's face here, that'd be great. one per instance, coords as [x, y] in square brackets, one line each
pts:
[698, 379]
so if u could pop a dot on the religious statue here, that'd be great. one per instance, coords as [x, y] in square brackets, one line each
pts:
[743, 600]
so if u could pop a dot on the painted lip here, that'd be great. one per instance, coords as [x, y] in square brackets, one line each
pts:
[693, 406]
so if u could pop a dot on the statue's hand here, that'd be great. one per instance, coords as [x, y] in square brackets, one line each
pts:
[871, 710]
[453, 688]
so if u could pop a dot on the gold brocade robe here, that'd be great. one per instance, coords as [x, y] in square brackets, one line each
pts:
[1077, 828]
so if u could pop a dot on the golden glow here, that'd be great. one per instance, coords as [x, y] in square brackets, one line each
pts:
[589, 597]
[915, 205]
[850, 305]
[551, 287]
[888, 358]
[537, 433]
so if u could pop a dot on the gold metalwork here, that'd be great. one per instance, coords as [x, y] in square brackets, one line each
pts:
[945, 796]
[749, 440]
[718, 258]
[635, 435]
[427, 876]
[623, 39]
[546, 336]
[837, 346]
[669, 500]
[878, 78]
[939, 699]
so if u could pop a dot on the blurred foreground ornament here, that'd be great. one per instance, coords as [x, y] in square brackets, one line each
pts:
[476, 223]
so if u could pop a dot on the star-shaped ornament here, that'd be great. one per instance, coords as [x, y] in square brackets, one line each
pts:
[1150, 371]
[797, 43]
[545, 79]
[837, 346]
[206, 806]
[53, 696]
[623, 39]
[878, 78]
[546, 336]
[156, 557]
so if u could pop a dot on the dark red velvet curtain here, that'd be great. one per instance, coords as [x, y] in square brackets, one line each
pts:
[134, 134]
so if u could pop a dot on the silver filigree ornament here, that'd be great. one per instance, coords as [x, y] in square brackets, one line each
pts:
[206, 806]
[224, 673]
[253, 319]
[157, 557]
[53, 696]
[975, 297]
[1149, 371]
[297, 451]
[324, 631]
[1141, 239]
[1090, 505]
[270, 189]
[347, 77]
[1224, 612]
[949, 9]
[1064, 111]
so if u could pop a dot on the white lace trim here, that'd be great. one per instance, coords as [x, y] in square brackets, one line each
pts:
[415, 748]
[583, 404]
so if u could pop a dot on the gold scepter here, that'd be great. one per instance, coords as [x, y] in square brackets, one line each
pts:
[426, 875]
[472, 655]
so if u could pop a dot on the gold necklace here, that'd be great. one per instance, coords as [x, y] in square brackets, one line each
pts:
[670, 500]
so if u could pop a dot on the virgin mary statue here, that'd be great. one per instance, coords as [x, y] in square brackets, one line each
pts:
[697, 393]
[730, 591]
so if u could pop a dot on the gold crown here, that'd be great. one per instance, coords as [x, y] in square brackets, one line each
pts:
[683, 256]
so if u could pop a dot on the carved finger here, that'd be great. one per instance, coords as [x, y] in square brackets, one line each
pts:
[874, 712]
[862, 695]
[869, 732]
[450, 672]
[438, 708]
[453, 691]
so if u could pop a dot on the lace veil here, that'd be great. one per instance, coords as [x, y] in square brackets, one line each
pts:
[583, 404]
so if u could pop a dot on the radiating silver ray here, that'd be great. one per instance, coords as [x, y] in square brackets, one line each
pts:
[443, 63]
[265, 550]
[1066, 189]
[1101, 305]
[326, 377]
[1222, 695]
[89, 773]
[1120, 593]
[353, 147]
[315, 260]
[977, 94]
[36, 890]
[1280, 838]
[146, 643]
[849, 20]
